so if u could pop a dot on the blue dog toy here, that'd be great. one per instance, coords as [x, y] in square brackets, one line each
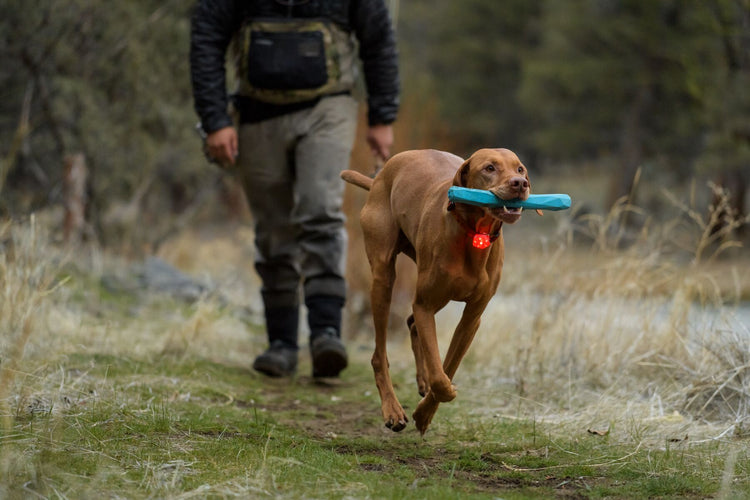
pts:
[482, 198]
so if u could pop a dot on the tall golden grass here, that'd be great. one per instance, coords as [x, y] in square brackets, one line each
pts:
[28, 274]
[595, 324]
[631, 325]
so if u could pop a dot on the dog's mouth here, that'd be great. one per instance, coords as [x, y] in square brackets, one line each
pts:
[510, 194]
[507, 214]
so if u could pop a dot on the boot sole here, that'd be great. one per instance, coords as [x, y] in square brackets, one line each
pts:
[271, 369]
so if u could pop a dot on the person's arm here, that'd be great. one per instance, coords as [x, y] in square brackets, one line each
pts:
[213, 25]
[377, 51]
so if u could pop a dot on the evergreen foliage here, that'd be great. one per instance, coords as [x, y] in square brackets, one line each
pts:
[625, 84]
[108, 79]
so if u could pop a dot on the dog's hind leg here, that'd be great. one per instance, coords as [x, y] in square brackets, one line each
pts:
[381, 243]
[380, 296]
[416, 348]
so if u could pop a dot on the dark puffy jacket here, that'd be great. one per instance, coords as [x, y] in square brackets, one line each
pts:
[215, 22]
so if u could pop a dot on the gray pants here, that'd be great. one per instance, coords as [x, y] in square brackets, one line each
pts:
[289, 167]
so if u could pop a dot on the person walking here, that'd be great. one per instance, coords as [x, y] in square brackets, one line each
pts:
[287, 135]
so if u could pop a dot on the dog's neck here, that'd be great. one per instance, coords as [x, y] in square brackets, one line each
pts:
[475, 228]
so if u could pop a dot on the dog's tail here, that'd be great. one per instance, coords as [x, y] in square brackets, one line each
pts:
[353, 177]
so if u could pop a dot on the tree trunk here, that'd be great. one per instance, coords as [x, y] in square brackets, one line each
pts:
[75, 177]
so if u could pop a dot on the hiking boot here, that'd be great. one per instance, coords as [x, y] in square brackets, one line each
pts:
[328, 354]
[279, 360]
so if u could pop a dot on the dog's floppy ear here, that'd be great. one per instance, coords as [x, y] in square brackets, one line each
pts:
[462, 174]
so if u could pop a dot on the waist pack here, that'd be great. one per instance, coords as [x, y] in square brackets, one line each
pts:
[286, 60]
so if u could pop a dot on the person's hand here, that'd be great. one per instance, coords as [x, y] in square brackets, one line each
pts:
[380, 139]
[222, 145]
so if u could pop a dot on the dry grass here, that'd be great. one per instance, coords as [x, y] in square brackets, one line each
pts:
[27, 274]
[613, 334]
[642, 336]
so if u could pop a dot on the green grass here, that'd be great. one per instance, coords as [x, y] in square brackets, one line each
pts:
[169, 427]
[108, 393]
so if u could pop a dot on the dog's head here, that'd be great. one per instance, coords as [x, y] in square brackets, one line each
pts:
[499, 171]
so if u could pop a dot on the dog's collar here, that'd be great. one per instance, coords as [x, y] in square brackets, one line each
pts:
[479, 240]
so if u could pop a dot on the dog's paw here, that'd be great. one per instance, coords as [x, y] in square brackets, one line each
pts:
[396, 426]
[394, 417]
[423, 414]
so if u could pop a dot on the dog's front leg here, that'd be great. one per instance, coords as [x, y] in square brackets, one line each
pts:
[439, 383]
[462, 338]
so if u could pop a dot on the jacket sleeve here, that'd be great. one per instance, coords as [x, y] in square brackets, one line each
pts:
[213, 25]
[377, 51]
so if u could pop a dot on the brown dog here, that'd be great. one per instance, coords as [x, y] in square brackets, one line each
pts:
[407, 211]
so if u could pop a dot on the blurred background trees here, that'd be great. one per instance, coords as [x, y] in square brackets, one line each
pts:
[656, 85]
[109, 81]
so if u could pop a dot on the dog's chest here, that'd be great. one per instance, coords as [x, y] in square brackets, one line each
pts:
[462, 279]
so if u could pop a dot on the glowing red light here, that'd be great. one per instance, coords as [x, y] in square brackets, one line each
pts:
[481, 241]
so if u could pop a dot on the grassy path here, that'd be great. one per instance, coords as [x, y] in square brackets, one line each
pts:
[192, 428]
[124, 393]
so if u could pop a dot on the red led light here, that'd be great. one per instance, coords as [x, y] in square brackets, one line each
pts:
[481, 241]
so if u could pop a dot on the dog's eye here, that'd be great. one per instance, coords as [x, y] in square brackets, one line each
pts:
[490, 168]
[520, 170]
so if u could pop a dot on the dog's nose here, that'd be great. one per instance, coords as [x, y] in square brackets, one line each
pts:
[519, 183]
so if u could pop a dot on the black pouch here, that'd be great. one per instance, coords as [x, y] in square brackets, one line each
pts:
[290, 60]
[287, 60]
